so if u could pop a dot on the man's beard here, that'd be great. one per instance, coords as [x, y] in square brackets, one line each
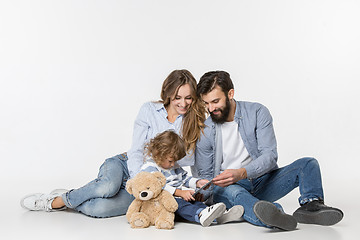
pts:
[224, 113]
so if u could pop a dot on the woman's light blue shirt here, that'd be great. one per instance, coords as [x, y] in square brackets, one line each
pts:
[152, 120]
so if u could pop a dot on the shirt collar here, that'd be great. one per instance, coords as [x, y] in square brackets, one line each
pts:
[159, 106]
[237, 111]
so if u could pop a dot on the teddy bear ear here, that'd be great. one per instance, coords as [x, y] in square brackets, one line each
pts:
[129, 186]
[160, 177]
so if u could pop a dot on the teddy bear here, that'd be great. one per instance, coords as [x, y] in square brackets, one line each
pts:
[152, 205]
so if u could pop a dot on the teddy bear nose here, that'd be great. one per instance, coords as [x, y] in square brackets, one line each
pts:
[144, 194]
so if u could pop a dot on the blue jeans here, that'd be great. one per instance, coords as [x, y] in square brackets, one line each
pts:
[303, 173]
[106, 195]
[189, 210]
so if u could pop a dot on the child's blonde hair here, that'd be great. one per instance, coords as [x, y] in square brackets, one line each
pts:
[164, 145]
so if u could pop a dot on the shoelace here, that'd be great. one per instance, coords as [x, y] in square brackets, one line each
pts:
[208, 209]
[44, 202]
[40, 203]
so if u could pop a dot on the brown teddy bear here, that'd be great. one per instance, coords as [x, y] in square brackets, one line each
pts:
[152, 205]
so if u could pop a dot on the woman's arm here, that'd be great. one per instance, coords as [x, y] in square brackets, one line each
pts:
[140, 133]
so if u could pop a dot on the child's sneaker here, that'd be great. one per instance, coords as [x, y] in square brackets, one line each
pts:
[209, 214]
[42, 202]
[233, 214]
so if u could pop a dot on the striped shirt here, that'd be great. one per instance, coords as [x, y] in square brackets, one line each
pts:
[176, 177]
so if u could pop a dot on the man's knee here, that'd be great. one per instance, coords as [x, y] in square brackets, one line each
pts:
[232, 193]
[308, 161]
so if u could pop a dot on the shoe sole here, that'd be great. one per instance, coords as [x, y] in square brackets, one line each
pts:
[214, 215]
[270, 215]
[234, 214]
[325, 217]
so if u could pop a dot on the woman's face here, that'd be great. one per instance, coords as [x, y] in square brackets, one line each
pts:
[182, 100]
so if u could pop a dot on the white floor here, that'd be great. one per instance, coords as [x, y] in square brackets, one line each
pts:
[17, 223]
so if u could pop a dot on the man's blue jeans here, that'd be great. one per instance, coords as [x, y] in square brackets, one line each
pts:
[106, 195]
[303, 173]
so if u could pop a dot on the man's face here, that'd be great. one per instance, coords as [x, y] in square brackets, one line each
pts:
[218, 104]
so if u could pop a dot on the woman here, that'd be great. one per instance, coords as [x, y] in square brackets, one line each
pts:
[179, 110]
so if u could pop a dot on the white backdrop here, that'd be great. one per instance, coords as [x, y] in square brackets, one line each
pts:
[74, 74]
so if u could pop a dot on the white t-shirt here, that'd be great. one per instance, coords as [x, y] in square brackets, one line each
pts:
[235, 155]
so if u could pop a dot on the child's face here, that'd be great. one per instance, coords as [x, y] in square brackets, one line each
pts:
[167, 163]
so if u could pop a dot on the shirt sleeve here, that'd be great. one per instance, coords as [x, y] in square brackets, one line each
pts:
[204, 155]
[149, 168]
[266, 144]
[188, 160]
[170, 189]
[140, 133]
[188, 181]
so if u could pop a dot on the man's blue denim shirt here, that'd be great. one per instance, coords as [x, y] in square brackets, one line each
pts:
[257, 132]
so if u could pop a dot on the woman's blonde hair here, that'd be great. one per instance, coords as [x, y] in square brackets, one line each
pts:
[193, 121]
[165, 145]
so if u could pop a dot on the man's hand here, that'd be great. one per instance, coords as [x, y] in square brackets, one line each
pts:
[185, 194]
[230, 176]
[201, 182]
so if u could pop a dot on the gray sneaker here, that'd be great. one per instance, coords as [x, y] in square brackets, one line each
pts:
[42, 202]
[233, 214]
[271, 216]
[316, 212]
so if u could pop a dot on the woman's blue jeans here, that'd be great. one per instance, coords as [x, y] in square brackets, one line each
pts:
[106, 195]
[303, 173]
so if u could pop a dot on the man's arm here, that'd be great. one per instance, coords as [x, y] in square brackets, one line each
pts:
[204, 157]
[267, 147]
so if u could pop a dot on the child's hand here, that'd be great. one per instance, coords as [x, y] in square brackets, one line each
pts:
[185, 194]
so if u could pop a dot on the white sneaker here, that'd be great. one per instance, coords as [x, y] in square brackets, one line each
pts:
[209, 214]
[233, 214]
[42, 202]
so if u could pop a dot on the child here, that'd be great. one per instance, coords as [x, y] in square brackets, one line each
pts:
[163, 151]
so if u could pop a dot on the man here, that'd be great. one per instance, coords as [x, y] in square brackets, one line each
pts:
[239, 149]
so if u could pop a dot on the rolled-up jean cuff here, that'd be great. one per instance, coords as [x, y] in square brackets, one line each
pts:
[197, 219]
[307, 200]
[64, 197]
